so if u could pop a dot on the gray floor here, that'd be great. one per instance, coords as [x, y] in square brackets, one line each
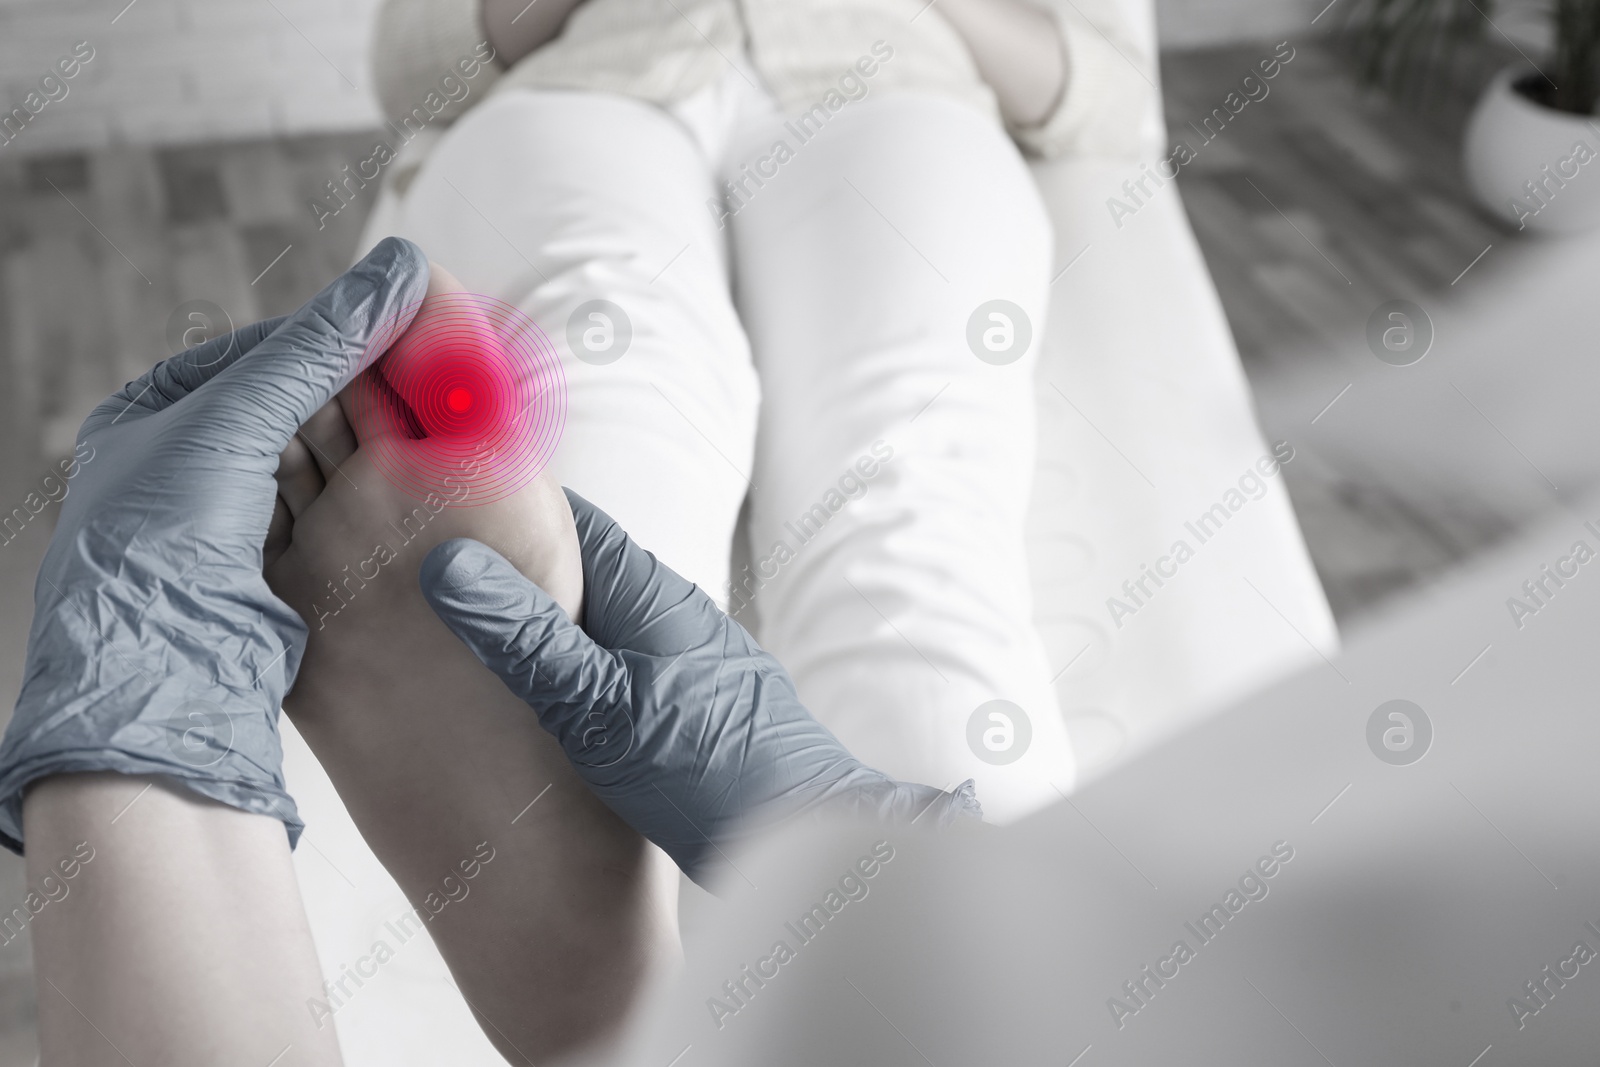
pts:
[1371, 197]
[1315, 206]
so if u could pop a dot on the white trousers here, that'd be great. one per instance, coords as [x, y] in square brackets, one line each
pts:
[806, 356]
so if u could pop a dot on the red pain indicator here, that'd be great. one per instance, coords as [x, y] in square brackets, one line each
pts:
[466, 404]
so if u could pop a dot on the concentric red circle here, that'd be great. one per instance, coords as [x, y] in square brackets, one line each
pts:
[466, 404]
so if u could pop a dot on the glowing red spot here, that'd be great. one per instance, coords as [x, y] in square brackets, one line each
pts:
[466, 404]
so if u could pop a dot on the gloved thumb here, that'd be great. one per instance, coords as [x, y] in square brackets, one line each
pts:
[521, 634]
[263, 400]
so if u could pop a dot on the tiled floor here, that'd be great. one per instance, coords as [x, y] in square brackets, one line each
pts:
[1371, 195]
[99, 249]
[1314, 206]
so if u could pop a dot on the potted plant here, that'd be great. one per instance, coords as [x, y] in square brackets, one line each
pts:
[1532, 146]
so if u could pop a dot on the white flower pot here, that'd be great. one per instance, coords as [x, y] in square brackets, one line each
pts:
[1535, 167]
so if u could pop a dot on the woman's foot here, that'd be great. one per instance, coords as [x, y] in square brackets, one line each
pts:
[548, 909]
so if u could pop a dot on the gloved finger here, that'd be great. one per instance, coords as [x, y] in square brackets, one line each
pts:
[299, 478]
[260, 402]
[631, 599]
[173, 379]
[329, 438]
[886, 800]
[518, 631]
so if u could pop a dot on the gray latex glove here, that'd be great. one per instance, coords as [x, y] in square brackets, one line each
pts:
[156, 646]
[667, 708]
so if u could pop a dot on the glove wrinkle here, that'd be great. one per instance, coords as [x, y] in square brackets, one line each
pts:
[712, 741]
[146, 656]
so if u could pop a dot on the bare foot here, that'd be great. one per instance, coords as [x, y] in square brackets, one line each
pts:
[547, 908]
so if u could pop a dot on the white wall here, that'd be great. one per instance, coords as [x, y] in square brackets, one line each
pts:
[185, 70]
[1185, 24]
[1200, 23]
[190, 70]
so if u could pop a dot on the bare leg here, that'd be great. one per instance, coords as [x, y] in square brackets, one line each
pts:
[549, 911]
[168, 930]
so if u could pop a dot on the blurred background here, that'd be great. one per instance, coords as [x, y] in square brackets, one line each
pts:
[180, 163]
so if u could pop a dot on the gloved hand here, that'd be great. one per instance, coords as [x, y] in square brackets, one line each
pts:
[156, 646]
[667, 708]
